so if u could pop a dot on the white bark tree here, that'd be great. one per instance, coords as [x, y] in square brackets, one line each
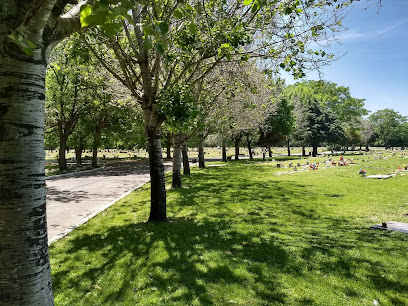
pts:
[28, 32]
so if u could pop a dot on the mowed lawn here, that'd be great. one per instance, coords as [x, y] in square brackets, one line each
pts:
[247, 235]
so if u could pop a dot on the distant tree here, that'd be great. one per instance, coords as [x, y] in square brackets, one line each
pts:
[387, 124]
[368, 134]
[316, 126]
[278, 126]
[335, 99]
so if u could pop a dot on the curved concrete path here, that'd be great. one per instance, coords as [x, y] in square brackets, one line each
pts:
[73, 200]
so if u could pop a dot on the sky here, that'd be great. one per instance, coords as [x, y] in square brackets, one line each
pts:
[375, 67]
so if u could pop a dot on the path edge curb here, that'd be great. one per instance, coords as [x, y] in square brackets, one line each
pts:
[87, 218]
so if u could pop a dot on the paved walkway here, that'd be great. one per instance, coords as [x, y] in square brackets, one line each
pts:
[72, 200]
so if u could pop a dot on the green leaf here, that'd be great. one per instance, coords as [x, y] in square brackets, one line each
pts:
[189, 7]
[255, 7]
[193, 28]
[86, 11]
[100, 17]
[111, 28]
[247, 2]
[28, 51]
[178, 14]
[104, 5]
[164, 27]
[148, 44]
[282, 65]
[31, 45]
[148, 30]
[288, 10]
[160, 48]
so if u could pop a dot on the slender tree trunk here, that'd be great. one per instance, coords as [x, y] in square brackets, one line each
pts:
[237, 142]
[95, 154]
[269, 151]
[224, 151]
[168, 150]
[303, 151]
[95, 146]
[168, 146]
[186, 163]
[177, 144]
[158, 211]
[288, 146]
[201, 161]
[249, 147]
[25, 277]
[78, 154]
[314, 152]
[62, 161]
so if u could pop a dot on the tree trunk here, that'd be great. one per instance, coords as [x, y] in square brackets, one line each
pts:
[224, 151]
[168, 146]
[78, 155]
[201, 161]
[186, 163]
[62, 161]
[269, 151]
[95, 146]
[78, 152]
[303, 151]
[158, 211]
[97, 138]
[249, 147]
[288, 145]
[314, 152]
[177, 144]
[24, 262]
[168, 150]
[237, 142]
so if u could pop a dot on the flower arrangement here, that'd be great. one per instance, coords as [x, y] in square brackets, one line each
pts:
[362, 172]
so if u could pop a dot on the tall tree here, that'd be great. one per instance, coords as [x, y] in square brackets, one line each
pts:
[28, 32]
[317, 126]
[387, 124]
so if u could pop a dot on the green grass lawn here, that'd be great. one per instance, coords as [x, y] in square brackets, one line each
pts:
[241, 234]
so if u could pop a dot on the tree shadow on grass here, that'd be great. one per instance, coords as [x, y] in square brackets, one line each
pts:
[195, 257]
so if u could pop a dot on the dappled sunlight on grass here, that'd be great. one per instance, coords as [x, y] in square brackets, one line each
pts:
[241, 234]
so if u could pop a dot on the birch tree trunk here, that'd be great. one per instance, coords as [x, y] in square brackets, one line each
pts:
[177, 144]
[186, 163]
[24, 263]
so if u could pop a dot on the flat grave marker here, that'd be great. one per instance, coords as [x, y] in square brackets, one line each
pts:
[392, 226]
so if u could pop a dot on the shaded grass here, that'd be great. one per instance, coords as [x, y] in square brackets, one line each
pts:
[242, 235]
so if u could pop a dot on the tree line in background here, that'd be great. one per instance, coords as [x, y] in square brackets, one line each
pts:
[240, 103]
